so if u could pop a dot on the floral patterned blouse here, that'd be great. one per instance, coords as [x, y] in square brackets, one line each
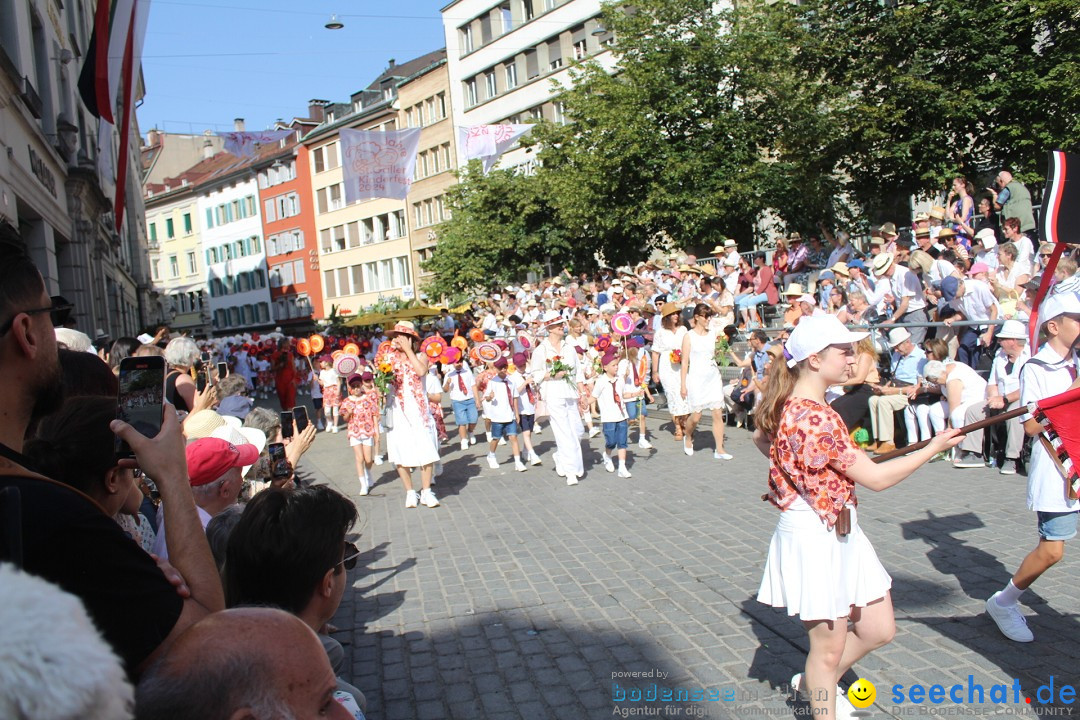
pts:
[362, 413]
[809, 456]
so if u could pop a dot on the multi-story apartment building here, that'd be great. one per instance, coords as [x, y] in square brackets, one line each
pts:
[50, 188]
[503, 55]
[424, 102]
[288, 213]
[364, 251]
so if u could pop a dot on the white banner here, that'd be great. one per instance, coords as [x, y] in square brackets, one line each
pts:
[378, 164]
[243, 144]
[488, 142]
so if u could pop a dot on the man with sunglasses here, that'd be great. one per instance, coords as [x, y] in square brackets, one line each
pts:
[289, 550]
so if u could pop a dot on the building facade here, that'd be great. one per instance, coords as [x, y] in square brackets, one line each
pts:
[424, 102]
[50, 187]
[364, 251]
[503, 55]
[177, 265]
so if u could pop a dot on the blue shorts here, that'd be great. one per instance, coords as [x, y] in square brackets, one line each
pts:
[615, 435]
[317, 402]
[637, 407]
[501, 430]
[1057, 525]
[528, 422]
[465, 411]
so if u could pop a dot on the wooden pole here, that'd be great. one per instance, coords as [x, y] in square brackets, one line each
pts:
[899, 452]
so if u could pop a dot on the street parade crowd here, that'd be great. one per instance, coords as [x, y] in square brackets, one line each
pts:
[851, 349]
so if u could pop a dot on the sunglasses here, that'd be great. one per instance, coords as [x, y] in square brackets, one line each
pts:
[58, 314]
[351, 553]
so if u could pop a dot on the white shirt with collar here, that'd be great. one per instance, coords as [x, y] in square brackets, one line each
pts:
[906, 284]
[977, 300]
[450, 383]
[1007, 381]
[1046, 486]
[554, 388]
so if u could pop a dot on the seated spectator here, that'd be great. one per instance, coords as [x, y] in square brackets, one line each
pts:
[1002, 394]
[907, 364]
[961, 388]
[1007, 282]
[986, 247]
[854, 405]
[67, 539]
[764, 291]
[837, 301]
[972, 300]
[289, 550]
[250, 663]
[798, 260]
[857, 310]
[741, 394]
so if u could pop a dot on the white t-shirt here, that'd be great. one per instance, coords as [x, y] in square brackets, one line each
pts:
[1046, 486]
[977, 300]
[941, 269]
[498, 408]
[906, 284]
[451, 381]
[525, 406]
[432, 386]
[605, 391]
[329, 377]
[974, 385]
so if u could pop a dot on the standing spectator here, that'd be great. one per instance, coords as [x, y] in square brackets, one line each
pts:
[907, 291]
[985, 219]
[181, 353]
[1014, 201]
[972, 300]
[960, 208]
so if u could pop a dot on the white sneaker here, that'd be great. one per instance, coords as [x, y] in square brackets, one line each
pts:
[623, 472]
[1009, 619]
[722, 456]
[537, 429]
[472, 439]
[844, 708]
[608, 465]
[1008, 467]
[493, 462]
[365, 486]
[534, 459]
[558, 469]
[378, 459]
[502, 441]
[428, 498]
[594, 432]
[464, 444]
[411, 499]
[572, 480]
[687, 450]
[334, 429]
[644, 444]
[519, 466]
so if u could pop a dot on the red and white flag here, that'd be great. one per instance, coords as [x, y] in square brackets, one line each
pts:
[378, 164]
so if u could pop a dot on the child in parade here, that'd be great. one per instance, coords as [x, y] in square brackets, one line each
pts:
[612, 394]
[820, 565]
[526, 398]
[331, 392]
[458, 380]
[361, 411]
[634, 371]
[501, 409]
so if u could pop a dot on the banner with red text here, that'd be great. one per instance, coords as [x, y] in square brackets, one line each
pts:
[488, 142]
[378, 164]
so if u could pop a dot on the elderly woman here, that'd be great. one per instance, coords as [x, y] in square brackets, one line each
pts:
[181, 354]
[1009, 279]
[961, 388]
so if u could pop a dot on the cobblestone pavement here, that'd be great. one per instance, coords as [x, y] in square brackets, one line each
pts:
[521, 597]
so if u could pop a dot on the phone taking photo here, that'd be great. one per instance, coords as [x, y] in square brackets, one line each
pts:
[301, 417]
[141, 399]
[222, 370]
[279, 464]
[286, 423]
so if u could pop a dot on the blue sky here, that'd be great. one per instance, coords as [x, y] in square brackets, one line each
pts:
[208, 62]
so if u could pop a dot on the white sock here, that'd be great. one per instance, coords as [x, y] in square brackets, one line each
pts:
[1010, 595]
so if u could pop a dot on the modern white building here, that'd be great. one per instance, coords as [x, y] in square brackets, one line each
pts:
[232, 245]
[503, 55]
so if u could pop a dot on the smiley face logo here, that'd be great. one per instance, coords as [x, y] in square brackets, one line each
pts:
[862, 693]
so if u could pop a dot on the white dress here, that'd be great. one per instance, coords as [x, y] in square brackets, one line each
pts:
[704, 386]
[413, 440]
[664, 342]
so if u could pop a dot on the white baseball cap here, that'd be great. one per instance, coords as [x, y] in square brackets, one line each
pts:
[814, 334]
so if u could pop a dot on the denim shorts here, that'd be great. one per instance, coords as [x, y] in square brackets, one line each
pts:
[615, 435]
[635, 408]
[528, 422]
[1057, 525]
[465, 411]
[503, 429]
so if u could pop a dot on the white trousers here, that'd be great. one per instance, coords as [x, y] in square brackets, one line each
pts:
[565, 421]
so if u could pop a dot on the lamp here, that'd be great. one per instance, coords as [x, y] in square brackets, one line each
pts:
[599, 31]
[334, 23]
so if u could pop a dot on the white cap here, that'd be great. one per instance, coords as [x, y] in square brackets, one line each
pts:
[807, 299]
[814, 334]
[897, 336]
[607, 308]
[1057, 305]
[1012, 329]
[592, 311]
[987, 237]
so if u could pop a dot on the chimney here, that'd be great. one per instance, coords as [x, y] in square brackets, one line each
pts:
[238, 124]
[317, 109]
[153, 138]
[391, 62]
[207, 149]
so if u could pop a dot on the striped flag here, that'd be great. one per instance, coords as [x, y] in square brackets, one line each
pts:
[1060, 216]
[107, 83]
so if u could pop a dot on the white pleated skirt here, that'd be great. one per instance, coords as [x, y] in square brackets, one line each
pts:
[817, 575]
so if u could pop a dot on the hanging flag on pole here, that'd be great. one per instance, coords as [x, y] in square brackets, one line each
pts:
[107, 84]
[1060, 217]
[488, 142]
[244, 144]
[378, 164]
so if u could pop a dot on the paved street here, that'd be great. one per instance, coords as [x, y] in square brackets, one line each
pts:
[521, 597]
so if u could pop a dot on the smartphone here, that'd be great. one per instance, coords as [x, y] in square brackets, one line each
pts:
[286, 423]
[141, 400]
[222, 370]
[300, 413]
[279, 464]
[201, 379]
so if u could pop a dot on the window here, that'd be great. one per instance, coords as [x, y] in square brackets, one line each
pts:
[580, 50]
[170, 231]
[466, 39]
[397, 221]
[332, 156]
[343, 281]
[255, 245]
[336, 200]
[511, 77]
[329, 284]
[320, 199]
[318, 162]
[298, 271]
[485, 29]
[154, 270]
[209, 218]
[446, 155]
[339, 237]
[507, 18]
[489, 81]
[554, 54]
[527, 12]
[325, 241]
[440, 106]
[550, 4]
[192, 263]
[558, 112]
[174, 266]
[470, 91]
[153, 232]
[187, 223]
[357, 275]
[352, 233]
[268, 211]
[532, 64]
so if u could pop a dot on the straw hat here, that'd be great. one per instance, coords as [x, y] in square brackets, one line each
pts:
[794, 290]
[668, 308]
[841, 268]
[403, 327]
[202, 424]
[882, 263]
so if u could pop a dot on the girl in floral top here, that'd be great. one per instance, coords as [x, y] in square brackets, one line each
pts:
[815, 569]
[361, 411]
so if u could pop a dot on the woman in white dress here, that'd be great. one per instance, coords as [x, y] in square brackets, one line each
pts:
[701, 384]
[560, 393]
[412, 440]
[667, 340]
[821, 566]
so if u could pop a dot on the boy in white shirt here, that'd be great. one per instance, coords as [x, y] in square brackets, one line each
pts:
[500, 407]
[458, 380]
[1051, 371]
[611, 394]
[526, 399]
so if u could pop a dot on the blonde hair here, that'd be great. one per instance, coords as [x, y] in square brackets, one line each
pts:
[866, 346]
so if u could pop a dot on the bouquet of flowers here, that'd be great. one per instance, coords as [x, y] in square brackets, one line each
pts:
[676, 357]
[557, 365]
[384, 377]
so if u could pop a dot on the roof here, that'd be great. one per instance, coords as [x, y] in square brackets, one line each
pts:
[398, 73]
